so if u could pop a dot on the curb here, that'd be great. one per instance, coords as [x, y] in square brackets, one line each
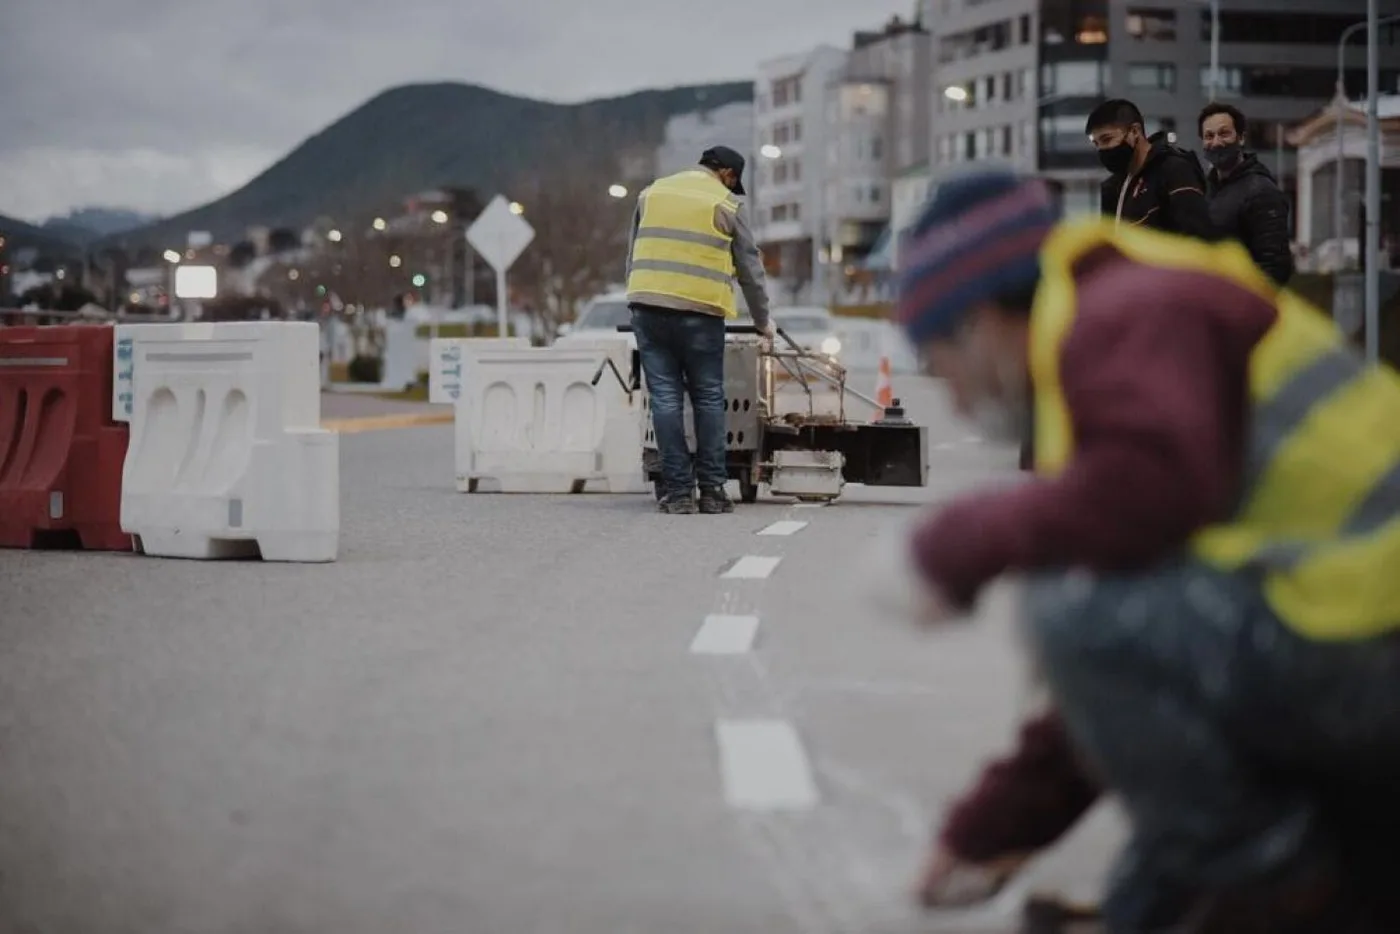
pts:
[354, 426]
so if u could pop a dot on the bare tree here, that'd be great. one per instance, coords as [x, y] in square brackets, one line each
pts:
[580, 245]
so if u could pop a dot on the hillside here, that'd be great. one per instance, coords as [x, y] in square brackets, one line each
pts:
[418, 137]
[20, 235]
[87, 225]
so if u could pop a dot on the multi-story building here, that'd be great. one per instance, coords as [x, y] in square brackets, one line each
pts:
[1016, 79]
[833, 129]
[688, 135]
[790, 141]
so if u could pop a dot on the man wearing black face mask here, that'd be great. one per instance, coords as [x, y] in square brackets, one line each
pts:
[1152, 183]
[1245, 200]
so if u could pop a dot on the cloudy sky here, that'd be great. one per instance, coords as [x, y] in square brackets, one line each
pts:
[160, 105]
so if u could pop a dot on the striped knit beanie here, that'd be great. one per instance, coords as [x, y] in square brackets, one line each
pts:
[977, 237]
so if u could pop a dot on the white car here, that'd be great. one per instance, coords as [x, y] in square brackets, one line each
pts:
[599, 318]
[812, 328]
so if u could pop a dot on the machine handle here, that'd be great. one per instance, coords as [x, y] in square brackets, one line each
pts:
[733, 329]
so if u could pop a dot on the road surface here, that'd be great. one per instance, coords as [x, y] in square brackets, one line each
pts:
[490, 715]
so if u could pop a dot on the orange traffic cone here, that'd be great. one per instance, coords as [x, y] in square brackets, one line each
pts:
[884, 388]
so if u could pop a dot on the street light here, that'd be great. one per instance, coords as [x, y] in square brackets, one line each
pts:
[334, 236]
[769, 151]
[617, 191]
[395, 261]
[517, 208]
[172, 256]
[439, 217]
[956, 93]
[380, 223]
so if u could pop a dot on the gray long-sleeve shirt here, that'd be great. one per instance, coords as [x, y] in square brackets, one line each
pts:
[748, 265]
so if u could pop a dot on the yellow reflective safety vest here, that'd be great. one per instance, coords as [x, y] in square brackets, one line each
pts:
[679, 251]
[1318, 518]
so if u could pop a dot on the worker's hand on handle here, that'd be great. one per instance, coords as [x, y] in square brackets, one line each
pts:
[768, 332]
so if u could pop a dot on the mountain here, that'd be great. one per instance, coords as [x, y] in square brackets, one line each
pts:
[86, 225]
[418, 137]
[20, 235]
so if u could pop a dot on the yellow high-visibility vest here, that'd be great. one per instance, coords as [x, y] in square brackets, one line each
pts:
[679, 251]
[1318, 518]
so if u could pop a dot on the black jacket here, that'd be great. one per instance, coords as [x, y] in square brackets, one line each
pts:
[1168, 193]
[1248, 206]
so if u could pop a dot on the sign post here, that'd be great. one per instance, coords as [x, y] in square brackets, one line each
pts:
[499, 236]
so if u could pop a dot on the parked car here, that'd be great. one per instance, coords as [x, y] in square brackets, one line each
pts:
[811, 327]
[599, 318]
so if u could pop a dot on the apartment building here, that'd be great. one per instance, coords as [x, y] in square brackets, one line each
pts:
[688, 135]
[834, 127]
[790, 126]
[1016, 79]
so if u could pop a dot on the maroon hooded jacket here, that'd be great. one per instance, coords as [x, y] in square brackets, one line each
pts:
[1154, 372]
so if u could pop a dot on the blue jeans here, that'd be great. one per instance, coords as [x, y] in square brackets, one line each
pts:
[1228, 736]
[683, 350]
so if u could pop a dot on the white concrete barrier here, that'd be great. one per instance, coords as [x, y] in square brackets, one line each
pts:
[227, 457]
[445, 363]
[622, 435]
[529, 420]
[400, 356]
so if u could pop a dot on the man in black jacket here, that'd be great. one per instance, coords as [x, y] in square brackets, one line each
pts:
[1151, 182]
[1245, 201]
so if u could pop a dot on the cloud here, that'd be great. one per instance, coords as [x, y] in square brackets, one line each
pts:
[164, 104]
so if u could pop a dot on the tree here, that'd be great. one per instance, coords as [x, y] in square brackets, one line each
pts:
[241, 254]
[580, 245]
[283, 240]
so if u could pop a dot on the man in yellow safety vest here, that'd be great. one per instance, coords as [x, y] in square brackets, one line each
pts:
[689, 244]
[1211, 539]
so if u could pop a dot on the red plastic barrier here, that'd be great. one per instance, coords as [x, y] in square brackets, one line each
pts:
[61, 454]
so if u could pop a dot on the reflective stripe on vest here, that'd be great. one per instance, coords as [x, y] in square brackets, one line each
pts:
[679, 252]
[1318, 518]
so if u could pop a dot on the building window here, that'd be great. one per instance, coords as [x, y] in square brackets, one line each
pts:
[875, 194]
[797, 131]
[1006, 140]
[1151, 24]
[787, 91]
[795, 212]
[1155, 76]
[780, 173]
[1091, 30]
[1073, 79]
[1231, 81]
[795, 171]
[1025, 36]
[969, 147]
[1063, 133]
[877, 148]
[1027, 138]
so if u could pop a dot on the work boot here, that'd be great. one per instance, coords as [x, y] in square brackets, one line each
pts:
[713, 501]
[677, 504]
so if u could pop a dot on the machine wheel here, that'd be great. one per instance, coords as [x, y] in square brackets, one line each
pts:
[748, 492]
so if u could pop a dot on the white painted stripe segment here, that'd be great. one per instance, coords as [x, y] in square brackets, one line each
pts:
[764, 766]
[725, 635]
[786, 527]
[752, 567]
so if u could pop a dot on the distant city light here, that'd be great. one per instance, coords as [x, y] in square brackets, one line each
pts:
[517, 208]
[171, 256]
[956, 93]
[196, 282]
[439, 217]
[395, 261]
[333, 236]
[379, 223]
[769, 151]
[618, 191]
[419, 281]
[293, 274]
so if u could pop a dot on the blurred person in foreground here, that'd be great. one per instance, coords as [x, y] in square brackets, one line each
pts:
[689, 244]
[1245, 200]
[1211, 538]
[1151, 182]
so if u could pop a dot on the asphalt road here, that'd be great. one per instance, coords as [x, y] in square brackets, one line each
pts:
[487, 717]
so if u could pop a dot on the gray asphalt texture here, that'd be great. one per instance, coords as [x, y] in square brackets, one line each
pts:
[484, 718]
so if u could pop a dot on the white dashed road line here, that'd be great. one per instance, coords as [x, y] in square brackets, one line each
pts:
[785, 527]
[725, 635]
[752, 567]
[764, 766]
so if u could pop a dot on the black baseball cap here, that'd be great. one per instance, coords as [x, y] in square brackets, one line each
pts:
[722, 157]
